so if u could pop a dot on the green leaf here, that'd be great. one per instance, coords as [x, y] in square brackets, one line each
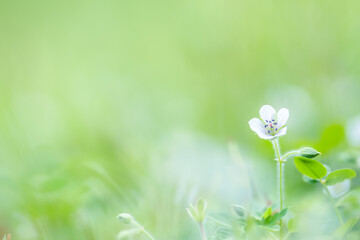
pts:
[310, 167]
[276, 217]
[340, 176]
[267, 213]
[341, 232]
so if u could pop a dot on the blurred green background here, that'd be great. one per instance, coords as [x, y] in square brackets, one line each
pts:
[129, 106]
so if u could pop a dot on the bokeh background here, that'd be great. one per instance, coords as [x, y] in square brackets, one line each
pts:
[141, 106]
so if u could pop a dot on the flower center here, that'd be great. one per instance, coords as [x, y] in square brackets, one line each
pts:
[271, 126]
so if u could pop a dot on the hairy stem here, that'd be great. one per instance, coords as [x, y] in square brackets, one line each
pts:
[280, 177]
[289, 154]
[338, 214]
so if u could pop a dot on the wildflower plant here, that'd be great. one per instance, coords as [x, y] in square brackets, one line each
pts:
[269, 223]
[271, 126]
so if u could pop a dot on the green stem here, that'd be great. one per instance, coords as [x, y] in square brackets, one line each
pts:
[146, 233]
[203, 235]
[290, 154]
[338, 214]
[280, 175]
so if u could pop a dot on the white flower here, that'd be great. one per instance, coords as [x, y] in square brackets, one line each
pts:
[272, 124]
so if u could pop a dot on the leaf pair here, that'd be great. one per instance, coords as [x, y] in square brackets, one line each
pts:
[198, 212]
[316, 170]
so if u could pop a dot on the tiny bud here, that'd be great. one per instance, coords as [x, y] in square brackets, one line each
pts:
[201, 207]
[239, 210]
[125, 218]
[308, 152]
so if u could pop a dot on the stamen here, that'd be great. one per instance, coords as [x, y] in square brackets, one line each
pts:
[268, 131]
[275, 129]
[266, 125]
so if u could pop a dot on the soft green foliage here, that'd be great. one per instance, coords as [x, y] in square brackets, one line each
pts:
[350, 200]
[340, 233]
[339, 176]
[310, 167]
[129, 106]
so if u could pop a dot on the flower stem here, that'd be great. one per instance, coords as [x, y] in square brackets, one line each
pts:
[203, 235]
[290, 154]
[280, 177]
[146, 233]
[335, 208]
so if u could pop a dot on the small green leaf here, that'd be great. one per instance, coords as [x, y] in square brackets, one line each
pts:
[341, 232]
[340, 176]
[276, 217]
[267, 213]
[283, 212]
[310, 167]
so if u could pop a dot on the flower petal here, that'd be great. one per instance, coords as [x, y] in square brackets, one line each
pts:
[281, 132]
[258, 126]
[282, 117]
[267, 112]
